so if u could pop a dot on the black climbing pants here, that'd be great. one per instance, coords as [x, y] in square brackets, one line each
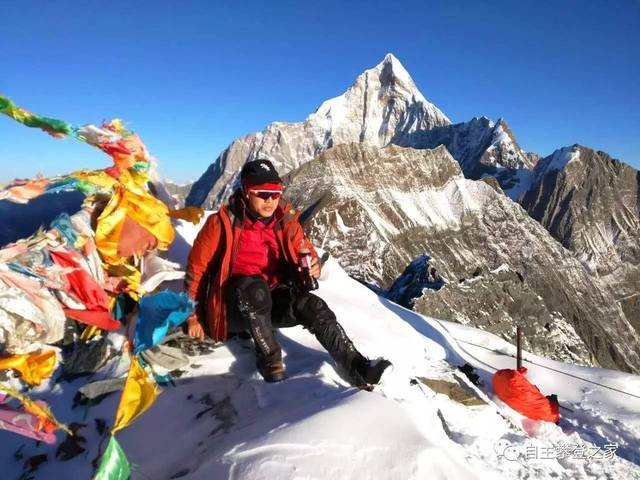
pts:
[253, 306]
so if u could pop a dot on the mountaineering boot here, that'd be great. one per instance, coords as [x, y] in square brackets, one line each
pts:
[370, 370]
[273, 371]
[321, 321]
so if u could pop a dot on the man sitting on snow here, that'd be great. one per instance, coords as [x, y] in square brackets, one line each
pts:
[242, 270]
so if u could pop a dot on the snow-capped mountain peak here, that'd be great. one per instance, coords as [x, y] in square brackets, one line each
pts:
[382, 106]
[557, 161]
[379, 96]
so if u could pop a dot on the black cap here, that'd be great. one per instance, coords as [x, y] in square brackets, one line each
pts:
[257, 172]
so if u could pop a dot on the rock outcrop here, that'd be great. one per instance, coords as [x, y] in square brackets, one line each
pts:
[496, 301]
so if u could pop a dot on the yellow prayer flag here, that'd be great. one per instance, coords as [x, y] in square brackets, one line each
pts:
[188, 214]
[130, 275]
[138, 395]
[142, 208]
[33, 367]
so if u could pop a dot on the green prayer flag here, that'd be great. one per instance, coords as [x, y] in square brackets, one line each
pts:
[114, 464]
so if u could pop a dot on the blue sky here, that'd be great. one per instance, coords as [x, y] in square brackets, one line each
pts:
[191, 76]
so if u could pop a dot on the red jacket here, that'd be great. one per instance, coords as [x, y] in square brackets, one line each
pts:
[216, 246]
[258, 252]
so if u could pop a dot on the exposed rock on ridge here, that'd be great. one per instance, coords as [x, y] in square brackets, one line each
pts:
[496, 301]
[482, 148]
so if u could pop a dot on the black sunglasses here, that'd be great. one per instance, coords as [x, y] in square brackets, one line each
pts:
[266, 194]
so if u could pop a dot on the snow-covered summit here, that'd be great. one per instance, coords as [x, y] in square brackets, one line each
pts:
[556, 161]
[382, 106]
[509, 155]
[383, 88]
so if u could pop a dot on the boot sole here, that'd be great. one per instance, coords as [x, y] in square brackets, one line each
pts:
[273, 378]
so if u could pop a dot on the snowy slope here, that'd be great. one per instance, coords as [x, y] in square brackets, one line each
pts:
[220, 420]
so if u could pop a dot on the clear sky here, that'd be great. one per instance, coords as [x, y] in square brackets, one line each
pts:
[191, 76]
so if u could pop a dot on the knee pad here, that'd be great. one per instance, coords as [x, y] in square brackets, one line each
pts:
[253, 293]
[314, 311]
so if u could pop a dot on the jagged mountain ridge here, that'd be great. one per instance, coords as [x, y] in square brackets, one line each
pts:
[483, 149]
[383, 105]
[479, 145]
[590, 203]
[376, 223]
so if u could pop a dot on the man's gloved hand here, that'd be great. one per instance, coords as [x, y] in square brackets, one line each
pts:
[194, 329]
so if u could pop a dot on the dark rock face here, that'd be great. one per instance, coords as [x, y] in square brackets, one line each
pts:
[351, 190]
[419, 275]
[376, 210]
[383, 105]
[590, 203]
[497, 301]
